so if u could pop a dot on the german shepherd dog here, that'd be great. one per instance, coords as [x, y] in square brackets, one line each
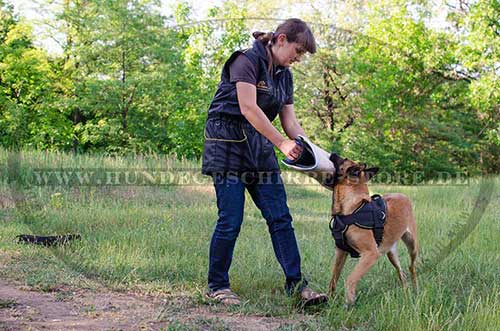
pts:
[350, 191]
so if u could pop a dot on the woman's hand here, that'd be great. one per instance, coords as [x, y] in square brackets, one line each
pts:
[290, 148]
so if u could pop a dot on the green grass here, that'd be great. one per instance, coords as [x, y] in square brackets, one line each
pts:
[155, 239]
[199, 324]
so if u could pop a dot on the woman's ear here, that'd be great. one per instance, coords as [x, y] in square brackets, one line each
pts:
[281, 39]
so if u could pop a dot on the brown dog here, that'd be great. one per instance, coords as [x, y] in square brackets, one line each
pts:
[350, 190]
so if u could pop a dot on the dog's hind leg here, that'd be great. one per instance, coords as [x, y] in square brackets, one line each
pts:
[338, 265]
[392, 254]
[411, 243]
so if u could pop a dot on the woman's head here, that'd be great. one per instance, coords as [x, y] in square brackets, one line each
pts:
[291, 40]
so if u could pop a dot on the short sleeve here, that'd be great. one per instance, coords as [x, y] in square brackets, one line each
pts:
[289, 90]
[242, 70]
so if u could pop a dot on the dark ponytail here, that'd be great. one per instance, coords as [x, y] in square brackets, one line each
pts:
[263, 37]
[296, 31]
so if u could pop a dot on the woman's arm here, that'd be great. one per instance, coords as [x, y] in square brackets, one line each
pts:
[289, 122]
[247, 99]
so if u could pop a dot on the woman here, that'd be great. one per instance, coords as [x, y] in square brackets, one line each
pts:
[256, 86]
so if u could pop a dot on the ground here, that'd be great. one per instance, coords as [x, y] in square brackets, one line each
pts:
[141, 262]
[21, 308]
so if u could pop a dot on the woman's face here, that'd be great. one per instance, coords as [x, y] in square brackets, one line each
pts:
[285, 53]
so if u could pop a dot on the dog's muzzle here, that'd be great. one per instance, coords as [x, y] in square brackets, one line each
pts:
[314, 162]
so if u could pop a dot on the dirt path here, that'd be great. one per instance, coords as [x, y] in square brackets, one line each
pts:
[24, 309]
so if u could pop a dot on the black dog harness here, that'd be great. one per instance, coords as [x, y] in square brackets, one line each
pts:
[368, 216]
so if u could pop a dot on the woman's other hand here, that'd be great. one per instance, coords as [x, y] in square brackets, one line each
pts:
[290, 148]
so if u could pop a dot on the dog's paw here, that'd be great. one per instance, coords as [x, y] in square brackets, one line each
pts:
[350, 305]
[350, 302]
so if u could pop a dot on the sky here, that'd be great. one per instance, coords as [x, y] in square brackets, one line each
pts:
[30, 8]
[33, 11]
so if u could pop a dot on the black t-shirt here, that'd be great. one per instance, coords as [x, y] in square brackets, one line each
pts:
[242, 70]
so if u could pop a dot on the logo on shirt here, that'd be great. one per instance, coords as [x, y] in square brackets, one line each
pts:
[262, 84]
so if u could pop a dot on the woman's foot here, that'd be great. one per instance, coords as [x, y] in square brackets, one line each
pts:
[224, 296]
[309, 298]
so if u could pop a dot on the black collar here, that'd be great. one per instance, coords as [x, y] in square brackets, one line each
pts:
[261, 51]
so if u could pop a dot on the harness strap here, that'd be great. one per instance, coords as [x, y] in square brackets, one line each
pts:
[338, 229]
[368, 216]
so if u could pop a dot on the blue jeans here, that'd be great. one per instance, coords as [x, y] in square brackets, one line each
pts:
[268, 193]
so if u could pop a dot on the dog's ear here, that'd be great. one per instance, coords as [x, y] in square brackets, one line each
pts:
[336, 160]
[370, 172]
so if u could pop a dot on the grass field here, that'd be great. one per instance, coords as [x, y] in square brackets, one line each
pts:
[155, 238]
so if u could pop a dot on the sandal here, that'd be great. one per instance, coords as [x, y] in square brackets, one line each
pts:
[224, 296]
[310, 298]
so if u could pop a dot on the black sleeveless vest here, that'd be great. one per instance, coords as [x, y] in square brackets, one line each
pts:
[273, 88]
[232, 145]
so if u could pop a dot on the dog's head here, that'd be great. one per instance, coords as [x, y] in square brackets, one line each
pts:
[350, 172]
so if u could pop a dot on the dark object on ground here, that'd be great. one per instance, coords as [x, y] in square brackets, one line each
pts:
[46, 240]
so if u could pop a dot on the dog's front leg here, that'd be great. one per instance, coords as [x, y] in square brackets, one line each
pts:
[338, 264]
[366, 261]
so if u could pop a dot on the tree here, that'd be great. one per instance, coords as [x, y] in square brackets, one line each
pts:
[124, 67]
[391, 95]
[414, 114]
[478, 23]
[27, 117]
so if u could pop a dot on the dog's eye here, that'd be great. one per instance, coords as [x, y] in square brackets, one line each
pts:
[354, 171]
